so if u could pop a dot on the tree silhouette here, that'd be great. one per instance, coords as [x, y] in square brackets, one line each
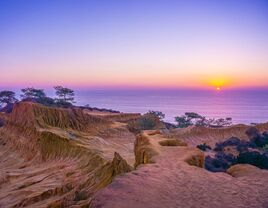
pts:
[65, 95]
[32, 93]
[7, 97]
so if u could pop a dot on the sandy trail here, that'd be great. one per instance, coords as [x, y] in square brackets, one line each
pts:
[171, 182]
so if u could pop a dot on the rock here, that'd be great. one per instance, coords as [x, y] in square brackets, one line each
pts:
[144, 152]
[120, 165]
[241, 170]
[44, 166]
[2, 123]
[33, 115]
[172, 142]
[195, 158]
[175, 179]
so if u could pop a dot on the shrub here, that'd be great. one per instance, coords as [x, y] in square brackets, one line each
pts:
[215, 165]
[145, 122]
[204, 147]
[183, 122]
[254, 158]
[256, 138]
[159, 114]
[32, 93]
[65, 95]
[266, 148]
[7, 97]
[191, 118]
[220, 163]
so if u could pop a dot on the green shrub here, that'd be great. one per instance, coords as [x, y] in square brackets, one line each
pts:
[147, 121]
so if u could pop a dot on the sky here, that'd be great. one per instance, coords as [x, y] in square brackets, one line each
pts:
[134, 43]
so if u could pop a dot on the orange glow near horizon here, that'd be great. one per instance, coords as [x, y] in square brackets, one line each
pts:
[218, 83]
[122, 46]
[149, 78]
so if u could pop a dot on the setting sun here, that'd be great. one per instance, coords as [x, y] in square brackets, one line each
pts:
[218, 83]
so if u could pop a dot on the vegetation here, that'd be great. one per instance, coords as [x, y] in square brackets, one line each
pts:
[147, 121]
[65, 95]
[159, 114]
[36, 95]
[258, 139]
[247, 152]
[204, 147]
[7, 97]
[194, 119]
[32, 93]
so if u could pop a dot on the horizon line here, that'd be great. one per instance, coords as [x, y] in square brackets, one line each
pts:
[136, 87]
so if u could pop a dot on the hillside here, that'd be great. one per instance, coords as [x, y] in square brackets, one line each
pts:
[56, 157]
[59, 157]
[173, 176]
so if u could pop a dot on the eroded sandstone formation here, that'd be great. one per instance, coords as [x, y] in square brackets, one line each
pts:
[53, 157]
[173, 176]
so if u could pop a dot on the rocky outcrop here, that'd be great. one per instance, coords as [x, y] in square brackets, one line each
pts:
[119, 165]
[119, 117]
[194, 136]
[32, 115]
[152, 146]
[53, 157]
[244, 170]
[195, 157]
[144, 151]
[173, 176]
[2, 122]
[3, 118]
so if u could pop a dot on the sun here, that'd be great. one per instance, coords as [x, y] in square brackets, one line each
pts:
[218, 83]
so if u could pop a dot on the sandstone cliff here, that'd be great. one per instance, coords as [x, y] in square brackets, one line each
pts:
[53, 157]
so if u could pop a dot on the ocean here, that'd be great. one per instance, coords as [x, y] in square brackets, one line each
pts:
[243, 106]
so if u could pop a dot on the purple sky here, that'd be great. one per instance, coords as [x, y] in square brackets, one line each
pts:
[134, 43]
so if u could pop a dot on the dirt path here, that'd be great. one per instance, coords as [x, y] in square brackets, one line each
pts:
[171, 182]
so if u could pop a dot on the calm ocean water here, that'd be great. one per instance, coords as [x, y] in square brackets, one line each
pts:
[244, 106]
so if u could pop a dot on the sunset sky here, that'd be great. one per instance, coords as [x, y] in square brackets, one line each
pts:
[134, 43]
